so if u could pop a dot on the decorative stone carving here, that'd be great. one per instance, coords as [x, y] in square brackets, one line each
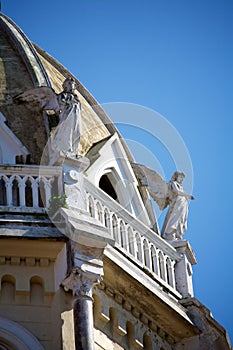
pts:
[172, 194]
[175, 223]
[81, 283]
[87, 271]
[73, 181]
[66, 137]
[67, 134]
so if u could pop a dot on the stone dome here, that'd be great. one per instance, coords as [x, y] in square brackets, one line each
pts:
[24, 66]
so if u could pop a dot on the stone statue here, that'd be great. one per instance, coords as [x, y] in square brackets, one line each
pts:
[67, 134]
[66, 137]
[172, 194]
[175, 223]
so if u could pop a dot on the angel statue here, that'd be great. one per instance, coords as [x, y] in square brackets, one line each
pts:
[172, 194]
[66, 137]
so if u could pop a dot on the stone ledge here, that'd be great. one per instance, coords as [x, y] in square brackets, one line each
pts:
[84, 229]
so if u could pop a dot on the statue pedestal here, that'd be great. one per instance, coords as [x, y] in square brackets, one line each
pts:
[73, 179]
[183, 268]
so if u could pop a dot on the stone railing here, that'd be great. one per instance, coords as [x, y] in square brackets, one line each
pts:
[133, 238]
[27, 188]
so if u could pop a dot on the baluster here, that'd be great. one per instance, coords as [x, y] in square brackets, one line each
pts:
[48, 191]
[123, 235]
[171, 273]
[140, 248]
[96, 215]
[22, 201]
[9, 192]
[155, 260]
[15, 181]
[88, 203]
[3, 182]
[107, 219]
[162, 264]
[35, 198]
[110, 223]
[132, 242]
[116, 231]
[99, 212]
[127, 238]
[91, 206]
[147, 254]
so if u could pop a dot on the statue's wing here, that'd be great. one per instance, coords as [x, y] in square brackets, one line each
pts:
[44, 96]
[156, 186]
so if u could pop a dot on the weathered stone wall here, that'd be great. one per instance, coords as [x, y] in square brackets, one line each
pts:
[93, 128]
[30, 293]
[25, 121]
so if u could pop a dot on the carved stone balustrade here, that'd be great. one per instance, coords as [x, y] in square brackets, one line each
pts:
[28, 188]
[137, 241]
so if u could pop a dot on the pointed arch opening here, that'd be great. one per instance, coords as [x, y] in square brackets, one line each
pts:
[106, 184]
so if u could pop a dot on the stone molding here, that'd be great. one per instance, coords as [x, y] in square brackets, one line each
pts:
[184, 247]
[17, 336]
[125, 324]
[137, 313]
[28, 261]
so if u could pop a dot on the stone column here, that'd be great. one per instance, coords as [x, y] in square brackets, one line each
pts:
[87, 241]
[81, 283]
[83, 323]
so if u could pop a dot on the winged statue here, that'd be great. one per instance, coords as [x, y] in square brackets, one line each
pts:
[67, 105]
[44, 96]
[164, 194]
[156, 186]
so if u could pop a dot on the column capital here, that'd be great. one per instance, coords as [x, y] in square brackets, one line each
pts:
[81, 282]
[86, 271]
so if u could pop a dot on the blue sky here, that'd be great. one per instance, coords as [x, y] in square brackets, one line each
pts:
[174, 57]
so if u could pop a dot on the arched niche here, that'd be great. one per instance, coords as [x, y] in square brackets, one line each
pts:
[36, 290]
[7, 289]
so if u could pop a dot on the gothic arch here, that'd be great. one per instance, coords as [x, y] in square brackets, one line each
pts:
[15, 337]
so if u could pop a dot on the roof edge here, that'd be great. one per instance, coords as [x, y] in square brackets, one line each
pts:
[88, 96]
[26, 51]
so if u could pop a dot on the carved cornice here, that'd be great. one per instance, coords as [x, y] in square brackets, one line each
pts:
[28, 261]
[143, 321]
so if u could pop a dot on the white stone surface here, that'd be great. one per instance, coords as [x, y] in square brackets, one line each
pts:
[183, 268]
[112, 161]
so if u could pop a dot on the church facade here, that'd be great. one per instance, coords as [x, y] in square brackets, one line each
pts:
[83, 264]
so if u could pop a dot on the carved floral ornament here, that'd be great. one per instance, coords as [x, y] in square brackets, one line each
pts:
[81, 283]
